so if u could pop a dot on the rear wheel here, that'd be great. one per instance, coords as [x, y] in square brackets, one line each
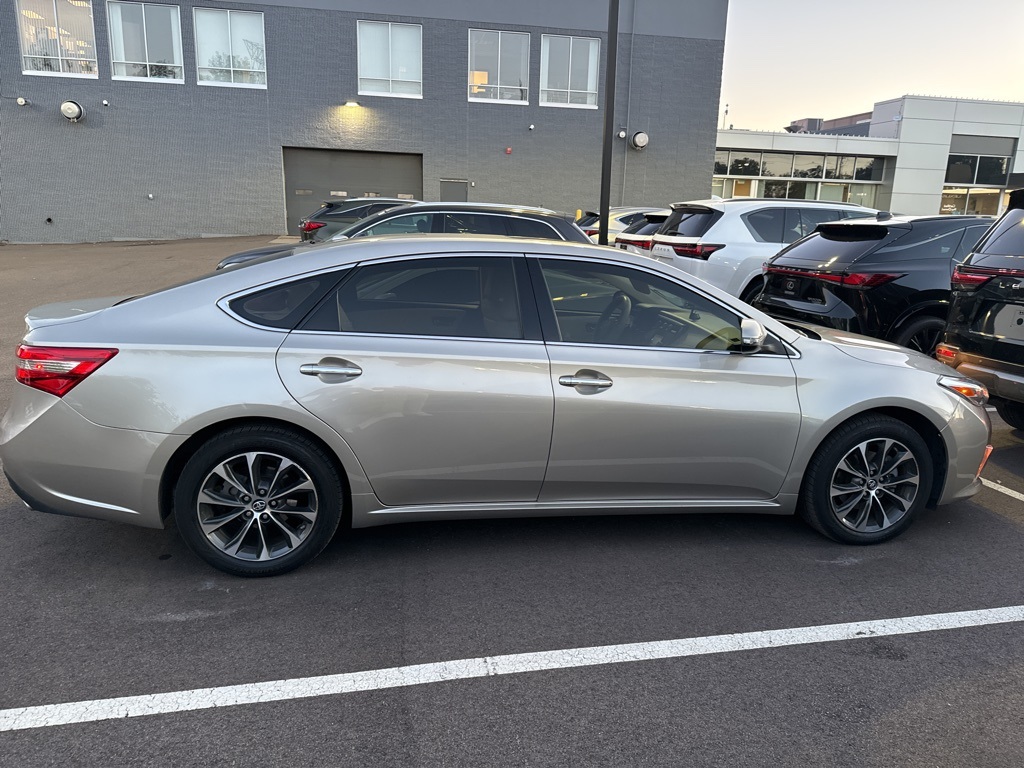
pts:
[258, 501]
[1011, 413]
[867, 481]
[921, 334]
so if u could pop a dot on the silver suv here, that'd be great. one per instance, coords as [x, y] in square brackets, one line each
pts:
[725, 242]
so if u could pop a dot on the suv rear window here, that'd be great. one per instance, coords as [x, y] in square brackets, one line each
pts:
[1006, 238]
[689, 222]
[646, 226]
[835, 245]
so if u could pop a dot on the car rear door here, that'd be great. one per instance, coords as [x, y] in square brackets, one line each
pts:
[433, 371]
[650, 403]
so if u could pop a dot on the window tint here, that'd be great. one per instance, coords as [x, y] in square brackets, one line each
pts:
[410, 224]
[690, 222]
[767, 225]
[1006, 237]
[606, 304]
[971, 237]
[532, 228]
[630, 218]
[923, 244]
[343, 212]
[469, 297]
[474, 224]
[645, 226]
[283, 306]
[378, 207]
[835, 246]
[812, 217]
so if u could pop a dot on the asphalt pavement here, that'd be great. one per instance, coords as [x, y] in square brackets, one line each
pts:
[91, 611]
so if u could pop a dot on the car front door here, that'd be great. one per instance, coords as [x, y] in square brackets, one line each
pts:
[434, 373]
[653, 399]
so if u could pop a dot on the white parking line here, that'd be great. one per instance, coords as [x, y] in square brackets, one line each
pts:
[464, 669]
[1002, 489]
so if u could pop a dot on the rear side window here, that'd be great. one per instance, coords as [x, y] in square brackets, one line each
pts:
[532, 228]
[1006, 238]
[284, 306]
[474, 224]
[689, 222]
[810, 218]
[409, 224]
[472, 297]
[342, 212]
[767, 225]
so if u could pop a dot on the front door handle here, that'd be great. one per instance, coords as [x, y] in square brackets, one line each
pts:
[329, 369]
[586, 379]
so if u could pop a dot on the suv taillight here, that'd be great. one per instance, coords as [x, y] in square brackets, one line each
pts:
[58, 370]
[645, 244]
[696, 250]
[968, 278]
[311, 226]
[850, 280]
[591, 232]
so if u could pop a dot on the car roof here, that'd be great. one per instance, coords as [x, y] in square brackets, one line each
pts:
[894, 219]
[484, 208]
[736, 202]
[345, 201]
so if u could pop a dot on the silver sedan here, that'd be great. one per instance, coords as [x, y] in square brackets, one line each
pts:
[430, 378]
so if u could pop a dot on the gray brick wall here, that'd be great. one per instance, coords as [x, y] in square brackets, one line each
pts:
[212, 158]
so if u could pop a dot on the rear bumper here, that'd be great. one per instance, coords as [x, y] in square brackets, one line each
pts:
[1004, 380]
[57, 461]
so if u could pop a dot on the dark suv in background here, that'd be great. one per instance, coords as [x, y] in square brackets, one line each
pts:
[335, 215]
[887, 276]
[985, 335]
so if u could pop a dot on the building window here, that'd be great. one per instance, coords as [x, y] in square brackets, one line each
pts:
[230, 48]
[390, 59]
[977, 169]
[57, 37]
[568, 71]
[499, 66]
[145, 41]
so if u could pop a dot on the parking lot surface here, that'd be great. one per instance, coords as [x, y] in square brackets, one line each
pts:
[91, 611]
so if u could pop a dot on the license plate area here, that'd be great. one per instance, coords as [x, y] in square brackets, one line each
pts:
[796, 288]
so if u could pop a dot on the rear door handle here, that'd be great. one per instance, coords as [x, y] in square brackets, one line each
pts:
[586, 379]
[327, 369]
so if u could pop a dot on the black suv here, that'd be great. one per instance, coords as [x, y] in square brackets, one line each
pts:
[446, 218]
[335, 215]
[985, 335]
[887, 276]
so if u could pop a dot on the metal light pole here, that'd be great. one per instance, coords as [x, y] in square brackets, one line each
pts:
[609, 119]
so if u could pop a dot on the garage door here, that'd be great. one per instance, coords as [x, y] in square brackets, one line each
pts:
[314, 175]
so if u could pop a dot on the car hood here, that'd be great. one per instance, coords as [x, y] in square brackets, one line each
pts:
[68, 311]
[876, 351]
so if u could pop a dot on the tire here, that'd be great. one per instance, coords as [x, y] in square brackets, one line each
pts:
[921, 334]
[875, 503]
[1011, 413]
[752, 291]
[268, 525]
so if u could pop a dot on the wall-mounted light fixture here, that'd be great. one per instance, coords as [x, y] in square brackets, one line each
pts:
[21, 101]
[639, 140]
[72, 110]
[351, 103]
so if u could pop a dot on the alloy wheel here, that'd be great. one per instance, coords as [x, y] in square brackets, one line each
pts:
[257, 506]
[874, 485]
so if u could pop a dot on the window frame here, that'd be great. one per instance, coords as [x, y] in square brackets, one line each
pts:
[390, 94]
[60, 57]
[469, 59]
[145, 42]
[569, 91]
[222, 83]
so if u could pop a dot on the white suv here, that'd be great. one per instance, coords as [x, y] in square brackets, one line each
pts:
[725, 242]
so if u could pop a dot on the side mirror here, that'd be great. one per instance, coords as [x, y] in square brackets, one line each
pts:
[752, 336]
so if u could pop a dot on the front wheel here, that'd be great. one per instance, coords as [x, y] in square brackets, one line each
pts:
[258, 501]
[867, 481]
[921, 334]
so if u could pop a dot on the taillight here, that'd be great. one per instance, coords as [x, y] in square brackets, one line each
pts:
[946, 354]
[591, 232]
[695, 250]
[311, 226]
[850, 280]
[58, 370]
[968, 278]
[644, 244]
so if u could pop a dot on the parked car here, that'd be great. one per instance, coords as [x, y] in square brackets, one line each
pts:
[887, 277]
[725, 242]
[984, 338]
[431, 378]
[638, 237]
[335, 215]
[619, 218]
[444, 218]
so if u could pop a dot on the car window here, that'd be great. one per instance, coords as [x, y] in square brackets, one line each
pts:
[378, 207]
[630, 218]
[352, 213]
[690, 222]
[812, 217]
[607, 304]
[409, 224]
[467, 296]
[971, 237]
[473, 224]
[1006, 238]
[532, 228]
[283, 306]
[924, 245]
[766, 225]
[857, 214]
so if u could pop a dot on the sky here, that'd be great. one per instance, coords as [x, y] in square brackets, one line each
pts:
[790, 59]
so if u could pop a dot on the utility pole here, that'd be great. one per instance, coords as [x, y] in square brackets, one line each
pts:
[609, 120]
